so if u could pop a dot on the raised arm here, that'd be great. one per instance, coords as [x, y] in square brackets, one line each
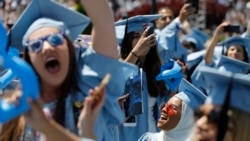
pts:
[142, 46]
[213, 41]
[103, 34]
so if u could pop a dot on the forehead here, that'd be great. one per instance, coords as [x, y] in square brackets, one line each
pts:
[167, 12]
[236, 46]
[175, 101]
[41, 32]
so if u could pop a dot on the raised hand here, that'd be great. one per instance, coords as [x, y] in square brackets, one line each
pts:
[144, 43]
[27, 78]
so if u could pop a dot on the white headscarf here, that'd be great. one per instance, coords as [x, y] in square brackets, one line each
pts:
[183, 128]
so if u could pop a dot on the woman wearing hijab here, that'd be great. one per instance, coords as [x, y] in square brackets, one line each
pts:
[177, 119]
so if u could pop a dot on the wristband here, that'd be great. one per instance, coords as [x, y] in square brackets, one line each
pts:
[134, 54]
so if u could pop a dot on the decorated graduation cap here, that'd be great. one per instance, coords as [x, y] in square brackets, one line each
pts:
[233, 65]
[220, 83]
[190, 94]
[137, 23]
[46, 13]
[197, 37]
[236, 40]
[171, 74]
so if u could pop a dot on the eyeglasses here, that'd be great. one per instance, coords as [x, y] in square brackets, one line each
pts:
[212, 116]
[37, 44]
[169, 108]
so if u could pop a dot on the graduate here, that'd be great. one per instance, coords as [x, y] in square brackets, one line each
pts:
[225, 114]
[177, 115]
[138, 46]
[67, 73]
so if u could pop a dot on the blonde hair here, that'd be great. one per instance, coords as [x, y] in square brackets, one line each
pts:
[241, 125]
[12, 130]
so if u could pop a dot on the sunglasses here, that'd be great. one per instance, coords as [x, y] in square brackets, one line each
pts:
[168, 108]
[37, 44]
[212, 116]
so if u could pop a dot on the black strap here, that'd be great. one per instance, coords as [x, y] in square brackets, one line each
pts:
[223, 117]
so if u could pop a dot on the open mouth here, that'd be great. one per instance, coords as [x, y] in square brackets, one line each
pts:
[164, 117]
[52, 65]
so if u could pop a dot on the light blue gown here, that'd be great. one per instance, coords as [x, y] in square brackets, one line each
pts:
[133, 133]
[169, 45]
[92, 68]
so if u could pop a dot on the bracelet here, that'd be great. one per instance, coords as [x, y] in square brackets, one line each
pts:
[134, 54]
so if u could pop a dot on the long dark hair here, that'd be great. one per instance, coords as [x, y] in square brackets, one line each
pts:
[68, 85]
[151, 65]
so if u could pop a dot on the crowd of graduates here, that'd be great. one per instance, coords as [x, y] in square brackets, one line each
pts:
[168, 81]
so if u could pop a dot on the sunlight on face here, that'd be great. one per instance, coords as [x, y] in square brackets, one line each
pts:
[51, 63]
[170, 114]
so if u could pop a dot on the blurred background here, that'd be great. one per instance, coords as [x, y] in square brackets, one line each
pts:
[211, 12]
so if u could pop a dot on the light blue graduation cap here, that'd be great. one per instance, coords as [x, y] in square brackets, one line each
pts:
[197, 37]
[193, 59]
[171, 74]
[237, 40]
[233, 65]
[120, 33]
[190, 94]
[136, 23]
[220, 83]
[74, 21]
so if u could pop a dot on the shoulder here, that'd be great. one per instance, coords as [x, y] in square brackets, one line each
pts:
[148, 137]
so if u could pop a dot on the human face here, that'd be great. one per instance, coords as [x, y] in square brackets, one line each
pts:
[170, 114]
[51, 62]
[166, 19]
[236, 52]
[206, 127]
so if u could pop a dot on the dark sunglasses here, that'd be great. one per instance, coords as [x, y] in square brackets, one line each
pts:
[212, 116]
[37, 44]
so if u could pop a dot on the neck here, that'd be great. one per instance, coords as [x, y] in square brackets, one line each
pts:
[49, 93]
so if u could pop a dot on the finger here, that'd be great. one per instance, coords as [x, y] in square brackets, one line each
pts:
[87, 108]
[144, 34]
[153, 43]
[124, 97]
[100, 103]
[187, 5]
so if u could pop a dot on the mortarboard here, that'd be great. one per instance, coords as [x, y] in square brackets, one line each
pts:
[233, 65]
[236, 40]
[120, 33]
[171, 73]
[190, 94]
[196, 37]
[136, 23]
[74, 21]
[219, 83]
[195, 58]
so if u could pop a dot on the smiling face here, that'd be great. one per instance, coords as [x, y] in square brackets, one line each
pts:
[166, 19]
[170, 114]
[236, 52]
[51, 63]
